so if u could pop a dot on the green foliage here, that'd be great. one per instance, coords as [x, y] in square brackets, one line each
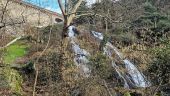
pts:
[104, 41]
[14, 80]
[164, 24]
[148, 7]
[102, 7]
[151, 18]
[124, 39]
[152, 24]
[3, 81]
[29, 67]
[160, 67]
[101, 65]
[127, 94]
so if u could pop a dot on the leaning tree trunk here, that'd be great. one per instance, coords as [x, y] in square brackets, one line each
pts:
[68, 18]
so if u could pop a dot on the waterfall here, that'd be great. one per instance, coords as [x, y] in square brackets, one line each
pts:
[133, 76]
[137, 77]
[81, 55]
[108, 51]
[113, 49]
[97, 35]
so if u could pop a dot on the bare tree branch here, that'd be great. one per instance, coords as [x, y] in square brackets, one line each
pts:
[61, 7]
[3, 11]
[72, 16]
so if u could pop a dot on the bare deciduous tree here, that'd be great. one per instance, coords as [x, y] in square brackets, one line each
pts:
[68, 14]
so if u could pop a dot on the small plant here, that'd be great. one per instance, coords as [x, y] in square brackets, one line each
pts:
[101, 65]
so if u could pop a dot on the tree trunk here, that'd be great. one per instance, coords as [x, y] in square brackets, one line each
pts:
[63, 49]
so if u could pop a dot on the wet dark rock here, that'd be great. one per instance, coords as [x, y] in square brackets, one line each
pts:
[135, 94]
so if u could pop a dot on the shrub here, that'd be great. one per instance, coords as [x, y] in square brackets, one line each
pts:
[124, 39]
[101, 66]
[55, 33]
[160, 67]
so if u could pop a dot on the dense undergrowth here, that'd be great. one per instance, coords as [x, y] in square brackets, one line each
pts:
[54, 80]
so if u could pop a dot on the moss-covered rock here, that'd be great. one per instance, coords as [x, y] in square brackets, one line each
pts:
[127, 94]
[11, 79]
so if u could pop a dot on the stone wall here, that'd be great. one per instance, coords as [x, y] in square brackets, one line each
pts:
[22, 13]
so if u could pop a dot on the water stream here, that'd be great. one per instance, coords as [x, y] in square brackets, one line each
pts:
[137, 77]
[109, 51]
[81, 55]
[132, 76]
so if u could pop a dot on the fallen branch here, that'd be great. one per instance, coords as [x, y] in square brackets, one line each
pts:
[13, 41]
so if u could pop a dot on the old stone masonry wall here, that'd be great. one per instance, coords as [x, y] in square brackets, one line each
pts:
[20, 14]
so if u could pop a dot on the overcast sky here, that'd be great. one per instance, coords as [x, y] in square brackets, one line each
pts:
[52, 4]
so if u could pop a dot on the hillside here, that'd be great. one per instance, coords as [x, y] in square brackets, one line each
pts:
[119, 48]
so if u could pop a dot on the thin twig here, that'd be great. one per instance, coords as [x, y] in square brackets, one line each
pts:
[37, 70]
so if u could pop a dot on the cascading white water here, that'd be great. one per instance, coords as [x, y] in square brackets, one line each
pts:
[113, 49]
[108, 51]
[136, 78]
[97, 35]
[81, 55]
[71, 33]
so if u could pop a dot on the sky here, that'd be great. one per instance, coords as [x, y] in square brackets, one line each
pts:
[52, 4]
[47, 4]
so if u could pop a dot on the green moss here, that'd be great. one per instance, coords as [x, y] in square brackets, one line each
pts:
[11, 79]
[14, 51]
[14, 80]
[127, 94]
[3, 81]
